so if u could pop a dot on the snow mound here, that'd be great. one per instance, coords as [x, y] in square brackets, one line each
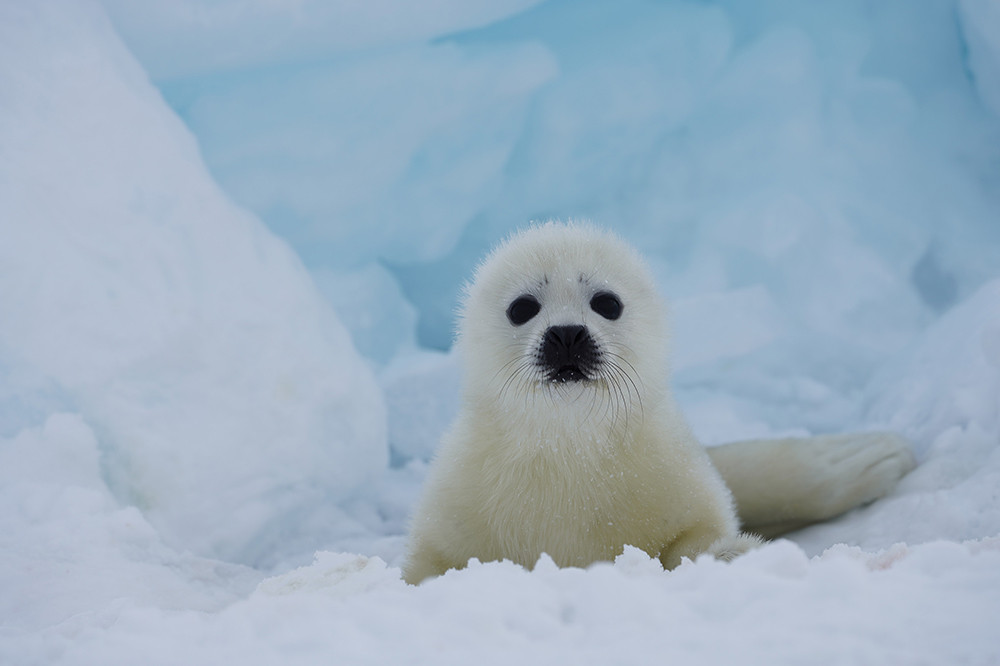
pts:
[69, 553]
[223, 391]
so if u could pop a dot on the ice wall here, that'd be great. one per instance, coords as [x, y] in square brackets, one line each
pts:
[223, 392]
[192, 37]
[980, 20]
[821, 172]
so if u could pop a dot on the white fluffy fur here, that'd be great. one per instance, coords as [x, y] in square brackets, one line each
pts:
[783, 484]
[576, 470]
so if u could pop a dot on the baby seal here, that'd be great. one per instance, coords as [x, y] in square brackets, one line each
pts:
[569, 441]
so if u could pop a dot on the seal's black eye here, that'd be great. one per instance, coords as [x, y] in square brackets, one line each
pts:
[523, 309]
[607, 305]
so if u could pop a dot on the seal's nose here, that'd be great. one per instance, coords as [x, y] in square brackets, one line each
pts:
[568, 353]
[566, 337]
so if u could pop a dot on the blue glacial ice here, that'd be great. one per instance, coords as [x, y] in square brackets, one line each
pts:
[835, 164]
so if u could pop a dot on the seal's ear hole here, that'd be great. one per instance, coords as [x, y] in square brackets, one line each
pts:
[523, 309]
[607, 305]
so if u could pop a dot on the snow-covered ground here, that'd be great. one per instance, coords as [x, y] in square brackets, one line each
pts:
[231, 235]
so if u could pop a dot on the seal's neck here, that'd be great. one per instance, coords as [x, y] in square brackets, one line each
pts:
[555, 420]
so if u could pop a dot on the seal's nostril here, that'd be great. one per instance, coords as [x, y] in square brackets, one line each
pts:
[566, 336]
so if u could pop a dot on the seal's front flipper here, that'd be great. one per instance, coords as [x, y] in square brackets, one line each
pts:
[783, 484]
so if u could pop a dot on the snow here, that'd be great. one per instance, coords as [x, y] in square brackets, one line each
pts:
[196, 404]
[69, 549]
[930, 604]
[191, 340]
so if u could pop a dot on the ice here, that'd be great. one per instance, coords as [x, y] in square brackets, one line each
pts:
[372, 306]
[814, 186]
[827, 157]
[189, 37]
[322, 152]
[713, 327]
[981, 25]
[823, 156]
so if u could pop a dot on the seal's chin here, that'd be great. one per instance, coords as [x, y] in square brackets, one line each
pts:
[567, 373]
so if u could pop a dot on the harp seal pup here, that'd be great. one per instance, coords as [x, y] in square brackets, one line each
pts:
[568, 441]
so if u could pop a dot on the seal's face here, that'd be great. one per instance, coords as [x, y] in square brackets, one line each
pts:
[566, 352]
[565, 312]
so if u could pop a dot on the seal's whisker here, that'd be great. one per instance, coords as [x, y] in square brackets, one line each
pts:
[502, 368]
[631, 380]
[621, 386]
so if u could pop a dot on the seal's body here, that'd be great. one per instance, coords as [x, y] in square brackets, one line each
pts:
[568, 441]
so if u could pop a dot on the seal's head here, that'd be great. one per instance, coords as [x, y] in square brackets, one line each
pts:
[566, 311]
